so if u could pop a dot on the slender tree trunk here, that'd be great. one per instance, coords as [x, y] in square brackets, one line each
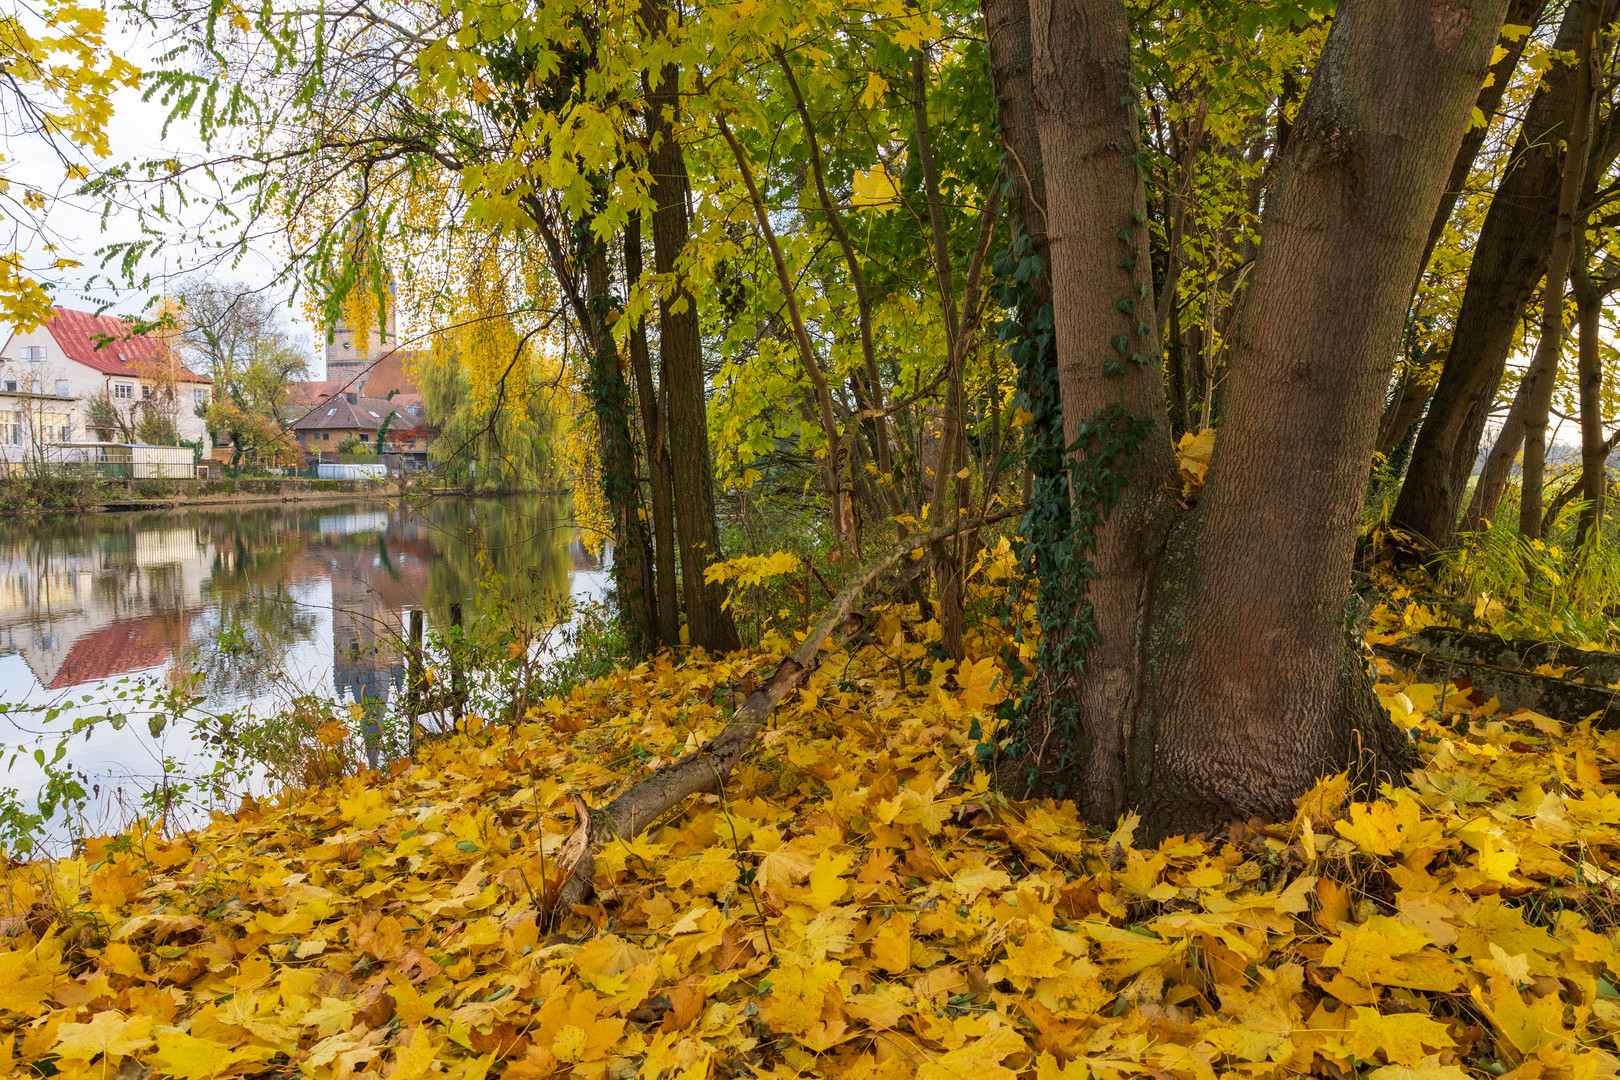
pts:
[1595, 448]
[680, 364]
[946, 554]
[1493, 475]
[1219, 681]
[1520, 13]
[1539, 401]
[1402, 412]
[1510, 257]
[873, 389]
[610, 398]
[658, 470]
[1594, 485]
[1113, 406]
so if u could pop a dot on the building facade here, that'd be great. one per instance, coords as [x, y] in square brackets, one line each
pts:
[61, 382]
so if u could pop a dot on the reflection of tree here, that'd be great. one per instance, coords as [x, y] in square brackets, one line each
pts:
[218, 591]
[245, 646]
[526, 539]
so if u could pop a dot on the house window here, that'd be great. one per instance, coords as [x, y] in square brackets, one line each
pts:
[34, 354]
[11, 428]
[146, 393]
[201, 397]
[123, 390]
[62, 388]
[11, 386]
[326, 436]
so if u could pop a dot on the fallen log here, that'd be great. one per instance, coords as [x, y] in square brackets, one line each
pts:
[1561, 699]
[1471, 645]
[706, 768]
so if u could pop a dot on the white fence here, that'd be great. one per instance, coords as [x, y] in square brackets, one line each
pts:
[331, 471]
[120, 461]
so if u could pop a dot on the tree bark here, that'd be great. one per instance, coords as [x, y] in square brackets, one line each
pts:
[680, 362]
[1520, 13]
[1595, 448]
[1221, 682]
[1113, 406]
[1493, 475]
[658, 471]
[1510, 257]
[610, 399]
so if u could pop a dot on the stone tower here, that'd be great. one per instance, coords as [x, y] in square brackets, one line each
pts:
[348, 358]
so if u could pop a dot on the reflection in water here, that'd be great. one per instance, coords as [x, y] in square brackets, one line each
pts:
[262, 603]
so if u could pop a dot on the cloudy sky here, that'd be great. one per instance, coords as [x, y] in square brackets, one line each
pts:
[136, 134]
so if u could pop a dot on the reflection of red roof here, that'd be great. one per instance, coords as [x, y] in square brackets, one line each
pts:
[115, 650]
[79, 333]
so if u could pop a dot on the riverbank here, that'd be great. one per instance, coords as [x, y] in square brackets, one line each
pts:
[143, 495]
[849, 906]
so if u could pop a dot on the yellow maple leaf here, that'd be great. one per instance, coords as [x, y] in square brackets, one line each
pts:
[980, 1059]
[874, 188]
[109, 1034]
[1193, 454]
[1400, 1037]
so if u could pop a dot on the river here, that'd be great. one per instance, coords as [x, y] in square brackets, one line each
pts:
[249, 608]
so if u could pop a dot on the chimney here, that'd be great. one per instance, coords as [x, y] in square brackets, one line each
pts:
[354, 399]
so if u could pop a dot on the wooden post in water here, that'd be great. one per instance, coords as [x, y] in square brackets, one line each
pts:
[413, 679]
[458, 692]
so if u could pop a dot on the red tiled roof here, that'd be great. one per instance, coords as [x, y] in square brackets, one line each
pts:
[394, 370]
[79, 333]
[362, 414]
[306, 394]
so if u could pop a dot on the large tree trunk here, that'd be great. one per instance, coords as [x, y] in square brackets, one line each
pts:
[680, 366]
[1510, 257]
[1221, 681]
[1112, 395]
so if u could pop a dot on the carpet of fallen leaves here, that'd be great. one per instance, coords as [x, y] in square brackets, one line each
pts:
[847, 909]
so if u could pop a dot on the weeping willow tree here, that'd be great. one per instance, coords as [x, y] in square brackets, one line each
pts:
[493, 435]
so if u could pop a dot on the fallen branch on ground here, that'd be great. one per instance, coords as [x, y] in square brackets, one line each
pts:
[706, 768]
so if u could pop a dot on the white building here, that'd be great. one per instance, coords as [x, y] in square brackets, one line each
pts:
[51, 375]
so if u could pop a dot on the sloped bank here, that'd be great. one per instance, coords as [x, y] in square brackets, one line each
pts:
[846, 906]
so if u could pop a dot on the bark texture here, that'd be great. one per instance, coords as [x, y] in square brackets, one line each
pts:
[1223, 680]
[1564, 247]
[1268, 692]
[680, 364]
[1102, 290]
[610, 399]
[658, 470]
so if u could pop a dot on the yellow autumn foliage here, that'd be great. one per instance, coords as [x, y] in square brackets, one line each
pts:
[852, 906]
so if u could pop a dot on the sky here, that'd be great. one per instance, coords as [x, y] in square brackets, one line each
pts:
[136, 134]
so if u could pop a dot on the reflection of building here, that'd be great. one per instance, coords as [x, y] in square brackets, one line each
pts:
[80, 613]
[373, 584]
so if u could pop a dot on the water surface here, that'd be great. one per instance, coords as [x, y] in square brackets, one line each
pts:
[250, 607]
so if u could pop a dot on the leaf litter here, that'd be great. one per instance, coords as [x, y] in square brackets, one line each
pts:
[850, 907]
